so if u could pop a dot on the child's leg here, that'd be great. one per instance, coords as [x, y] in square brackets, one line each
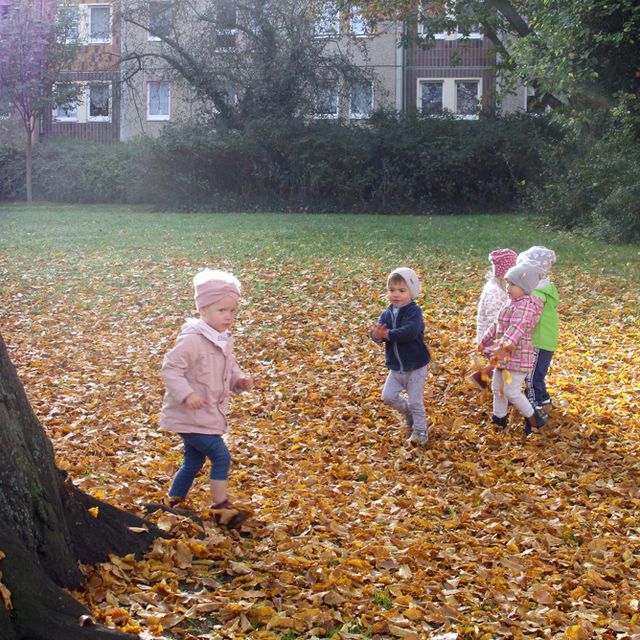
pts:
[513, 394]
[415, 392]
[394, 385]
[500, 402]
[543, 361]
[192, 463]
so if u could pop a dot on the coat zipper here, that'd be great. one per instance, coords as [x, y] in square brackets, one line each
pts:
[394, 319]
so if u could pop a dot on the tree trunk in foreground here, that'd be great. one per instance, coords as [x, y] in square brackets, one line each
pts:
[46, 529]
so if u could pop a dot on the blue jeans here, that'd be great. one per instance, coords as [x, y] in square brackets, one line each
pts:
[536, 388]
[197, 448]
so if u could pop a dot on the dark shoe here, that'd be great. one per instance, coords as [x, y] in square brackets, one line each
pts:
[501, 422]
[175, 501]
[226, 515]
[540, 416]
[529, 423]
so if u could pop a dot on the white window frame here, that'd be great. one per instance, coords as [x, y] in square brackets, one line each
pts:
[354, 115]
[61, 118]
[327, 24]
[467, 116]
[76, 8]
[448, 35]
[90, 39]
[91, 118]
[440, 81]
[358, 25]
[158, 117]
[150, 36]
[450, 95]
[336, 96]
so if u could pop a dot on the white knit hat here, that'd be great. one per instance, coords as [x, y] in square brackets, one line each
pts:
[542, 257]
[410, 277]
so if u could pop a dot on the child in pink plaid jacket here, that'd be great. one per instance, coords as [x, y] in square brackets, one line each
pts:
[513, 352]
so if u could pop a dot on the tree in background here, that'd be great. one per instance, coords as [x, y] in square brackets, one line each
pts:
[34, 50]
[581, 60]
[246, 61]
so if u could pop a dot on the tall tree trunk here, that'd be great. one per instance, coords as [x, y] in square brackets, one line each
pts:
[46, 528]
[30, 129]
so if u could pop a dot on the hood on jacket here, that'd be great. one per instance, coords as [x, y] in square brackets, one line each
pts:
[548, 293]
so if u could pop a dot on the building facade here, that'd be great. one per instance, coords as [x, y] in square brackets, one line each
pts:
[119, 102]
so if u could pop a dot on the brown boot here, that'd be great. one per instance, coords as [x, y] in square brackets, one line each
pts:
[226, 515]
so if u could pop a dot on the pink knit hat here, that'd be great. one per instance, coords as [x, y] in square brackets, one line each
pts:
[502, 260]
[211, 286]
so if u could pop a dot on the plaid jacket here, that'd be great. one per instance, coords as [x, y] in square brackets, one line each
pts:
[515, 322]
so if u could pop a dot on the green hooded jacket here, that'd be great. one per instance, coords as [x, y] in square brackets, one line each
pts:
[545, 335]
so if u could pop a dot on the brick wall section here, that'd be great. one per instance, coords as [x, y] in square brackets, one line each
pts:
[471, 58]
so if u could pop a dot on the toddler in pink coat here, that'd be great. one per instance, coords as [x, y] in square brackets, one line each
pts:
[200, 373]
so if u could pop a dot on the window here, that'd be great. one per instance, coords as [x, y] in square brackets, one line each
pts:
[361, 100]
[446, 22]
[67, 112]
[359, 26]
[158, 101]
[159, 20]
[69, 23]
[467, 98]
[460, 96]
[327, 101]
[99, 109]
[431, 96]
[328, 22]
[99, 23]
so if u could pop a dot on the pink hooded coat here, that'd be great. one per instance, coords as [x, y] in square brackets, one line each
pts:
[198, 364]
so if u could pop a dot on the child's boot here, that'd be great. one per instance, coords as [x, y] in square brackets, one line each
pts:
[529, 423]
[501, 422]
[226, 515]
[540, 417]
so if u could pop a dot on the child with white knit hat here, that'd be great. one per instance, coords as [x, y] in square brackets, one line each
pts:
[545, 335]
[401, 329]
[200, 373]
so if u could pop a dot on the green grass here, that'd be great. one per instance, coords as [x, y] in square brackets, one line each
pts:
[126, 232]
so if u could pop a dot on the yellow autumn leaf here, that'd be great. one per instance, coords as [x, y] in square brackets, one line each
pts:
[93, 511]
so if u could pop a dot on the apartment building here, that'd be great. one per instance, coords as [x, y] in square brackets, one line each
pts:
[455, 74]
[97, 114]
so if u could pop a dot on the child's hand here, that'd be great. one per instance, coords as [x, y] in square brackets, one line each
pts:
[245, 384]
[194, 401]
[379, 331]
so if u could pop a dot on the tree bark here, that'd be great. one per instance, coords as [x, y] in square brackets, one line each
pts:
[46, 528]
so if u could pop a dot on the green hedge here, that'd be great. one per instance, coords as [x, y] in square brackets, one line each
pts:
[395, 164]
[12, 178]
[590, 183]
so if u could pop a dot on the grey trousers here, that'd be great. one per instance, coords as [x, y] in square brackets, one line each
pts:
[412, 382]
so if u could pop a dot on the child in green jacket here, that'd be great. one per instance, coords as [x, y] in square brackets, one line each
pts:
[545, 335]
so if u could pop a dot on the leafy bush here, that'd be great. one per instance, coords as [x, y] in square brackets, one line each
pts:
[396, 163]
[12, 173]
[590, 182]
[79, 171]
[617, 217]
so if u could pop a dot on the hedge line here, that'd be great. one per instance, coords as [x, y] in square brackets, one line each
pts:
[396, 164]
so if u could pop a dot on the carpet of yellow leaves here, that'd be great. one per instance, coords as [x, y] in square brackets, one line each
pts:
[354, 534]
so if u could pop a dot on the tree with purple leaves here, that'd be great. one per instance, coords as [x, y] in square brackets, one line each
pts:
[36, 47]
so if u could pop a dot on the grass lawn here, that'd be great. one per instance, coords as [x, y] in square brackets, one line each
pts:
[354, 535]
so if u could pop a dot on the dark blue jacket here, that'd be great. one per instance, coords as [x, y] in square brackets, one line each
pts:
[405, 349]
